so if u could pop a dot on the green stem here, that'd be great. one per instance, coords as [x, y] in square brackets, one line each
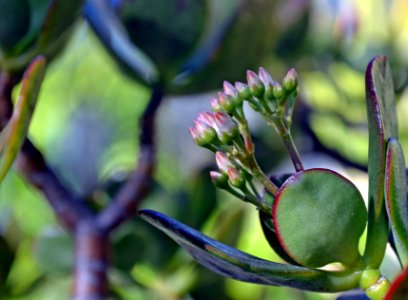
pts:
[287, 139]
[260, 175]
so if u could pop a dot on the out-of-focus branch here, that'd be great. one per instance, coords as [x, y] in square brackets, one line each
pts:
[68, 209]
[139, 183]
[32, 165]
[91, 262]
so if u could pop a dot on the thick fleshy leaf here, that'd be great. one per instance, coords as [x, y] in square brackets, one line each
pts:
[396, 197]
[60, 17]
[10, 30]
[382, 124]
[230, 262]
[319, 217]
[399, 287]
[110, 30]
[13, 135]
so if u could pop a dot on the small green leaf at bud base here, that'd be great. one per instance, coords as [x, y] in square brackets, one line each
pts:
[243, 90]
[379, 289]
[220, 180]
[368, 278]
[290, 81]
[236, 178]
[255, 84]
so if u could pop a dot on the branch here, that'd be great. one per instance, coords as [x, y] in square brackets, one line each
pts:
[32, 165]
[139, 183]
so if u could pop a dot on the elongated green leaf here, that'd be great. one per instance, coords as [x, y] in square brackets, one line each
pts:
[114, 37]
[382, 123]
[13, 135]
[60, 17]
[396, 197]
[236, 264]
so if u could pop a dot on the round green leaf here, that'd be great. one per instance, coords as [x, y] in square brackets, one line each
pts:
[319, 217]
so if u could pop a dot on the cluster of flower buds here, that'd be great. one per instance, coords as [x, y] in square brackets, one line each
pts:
[268, 96]
[212, 130]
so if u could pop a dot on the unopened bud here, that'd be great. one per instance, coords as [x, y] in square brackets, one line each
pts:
[255, 84]
[277, 91]
[268, 82]
[228, 129]
[229, 89]
[290, 81]
[207, 133]
[226, 102]
[368, 278]
[243, 90]
[236, 178]
[215, 105]
[223, 162]
[220, 180]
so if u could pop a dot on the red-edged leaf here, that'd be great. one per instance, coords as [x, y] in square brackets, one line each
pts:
[382, 123]
[396, 197]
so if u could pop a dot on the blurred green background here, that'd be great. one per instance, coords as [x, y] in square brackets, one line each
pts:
[86, 125]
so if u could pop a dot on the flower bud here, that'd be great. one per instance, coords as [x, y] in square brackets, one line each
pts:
[227, 128]
[220, 180]
[243, 90]
[268, 82]
[207, 118]
[229, 89]
[215, 105]
[235, 177]
[255, 84]
[226, 102]
[277, 91]
[290, 81]
[223, 162]
[207, 134]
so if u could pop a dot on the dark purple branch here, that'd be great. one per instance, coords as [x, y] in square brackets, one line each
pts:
[32, 165]
[91, 262]
[139, 183]
[68, 209]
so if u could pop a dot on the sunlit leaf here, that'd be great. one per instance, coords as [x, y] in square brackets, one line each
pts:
[13, 135]
[233, 263]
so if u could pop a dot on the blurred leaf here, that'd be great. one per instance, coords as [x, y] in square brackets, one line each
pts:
[230, 262]
[399, 287]
[166, 30]
[382, 124]
[201, 199]
[6, 260]
[114, 37]
[59, 19]
[10, 30]
[53, 251]
[396, 197]
[13, 135]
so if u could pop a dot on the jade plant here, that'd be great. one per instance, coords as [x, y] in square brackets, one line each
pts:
[314, 217]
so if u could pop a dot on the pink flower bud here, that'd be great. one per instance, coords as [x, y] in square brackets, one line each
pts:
[290, 82]
[229, 89]
[243, 90]
[207, 118]
[219, 179]
[255, 84]
[226, 102]
[215, 105]
[235, 177]
[223, 162]
[265, 77]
